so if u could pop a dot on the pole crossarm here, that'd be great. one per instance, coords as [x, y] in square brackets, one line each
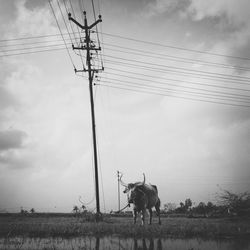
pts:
[86, 70]
[85, 27]
[84, 48]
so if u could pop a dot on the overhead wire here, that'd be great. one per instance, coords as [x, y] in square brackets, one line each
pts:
[61, 33]
[173, 58]
[118, 60]
[215, 95]
[203, 94]
[97, 34]
[240, 68]
[145, 53]
[203, 74]
[64, 20]
[177, 80]
[163, 92]
[192, 71]
[149, 68]
[180, 88]
[33, 52]
[171, 79]
[225, 87]
[176, 47]
[67, 11]
[128, 38]
[180, 97]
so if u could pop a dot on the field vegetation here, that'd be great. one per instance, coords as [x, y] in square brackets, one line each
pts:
[230, 218]
[71, 225]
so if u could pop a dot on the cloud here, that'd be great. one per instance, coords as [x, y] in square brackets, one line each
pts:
[7, 13]
[11, 139]
[236, 12]
[31, 19]
[233, 19]
[31, 4]
[13, 153]
[167, 7]
[222, 27]
[6, 99]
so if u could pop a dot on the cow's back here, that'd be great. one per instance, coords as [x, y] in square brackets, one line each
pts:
[152, 195]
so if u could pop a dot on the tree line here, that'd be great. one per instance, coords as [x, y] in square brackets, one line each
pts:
[228, 203]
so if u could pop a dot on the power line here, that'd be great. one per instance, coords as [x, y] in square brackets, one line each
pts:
[175, 58]
[239, 79]
[186, 98]
[132, 65]
[66, 9]
[201, 72]
[204, 93]
[141, 53]
[132, 39]
[232, 95]
[33, 52]
[175, 47]
[177, 80]
[222, 96]
[37, 47]
[201, 76]
[61, 33]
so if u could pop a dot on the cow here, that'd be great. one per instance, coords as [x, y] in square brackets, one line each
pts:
[143, 197]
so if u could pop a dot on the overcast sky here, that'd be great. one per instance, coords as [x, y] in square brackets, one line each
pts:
[188, 148]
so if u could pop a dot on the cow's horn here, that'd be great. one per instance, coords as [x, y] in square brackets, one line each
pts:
[143, 179]
[120, 179]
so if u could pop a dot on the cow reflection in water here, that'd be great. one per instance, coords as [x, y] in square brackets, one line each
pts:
[139, 244]
[143, 246]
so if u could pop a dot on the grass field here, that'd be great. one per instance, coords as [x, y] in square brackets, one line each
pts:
[67, 225]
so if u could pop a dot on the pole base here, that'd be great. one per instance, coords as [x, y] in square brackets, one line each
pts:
[98, 217]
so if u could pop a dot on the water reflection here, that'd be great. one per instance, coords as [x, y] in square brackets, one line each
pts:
[97, 243]
[142, 245]
[112, 242]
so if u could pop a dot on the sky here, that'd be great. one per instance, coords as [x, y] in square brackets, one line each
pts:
[189, 145]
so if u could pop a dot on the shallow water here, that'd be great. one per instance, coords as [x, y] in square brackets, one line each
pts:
[112, 243]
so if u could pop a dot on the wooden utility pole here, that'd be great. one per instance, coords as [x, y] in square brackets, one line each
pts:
[89, 46]
[118, 183]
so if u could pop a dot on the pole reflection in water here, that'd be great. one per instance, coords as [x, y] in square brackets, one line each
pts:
[143, 245]
[97, 243]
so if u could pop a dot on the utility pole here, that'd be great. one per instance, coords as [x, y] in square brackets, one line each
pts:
[89, 46]
[118, 183]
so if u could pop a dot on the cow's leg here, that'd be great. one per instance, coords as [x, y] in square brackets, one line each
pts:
[143, 216]
[157, 207]
[150, 216]
[134, 215]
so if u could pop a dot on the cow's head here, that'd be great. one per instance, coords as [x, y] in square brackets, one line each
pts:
[130, 188]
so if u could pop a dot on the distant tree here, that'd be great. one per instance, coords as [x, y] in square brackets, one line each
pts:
[188, 204]
[169, 207]
[210, 207]
[201, 208]
[181, 209]
[23, 211]
[238, 204]
[84, 209]
[75, 209]
[32, 210]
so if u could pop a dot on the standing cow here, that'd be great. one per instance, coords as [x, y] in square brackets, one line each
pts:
[143, 196]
